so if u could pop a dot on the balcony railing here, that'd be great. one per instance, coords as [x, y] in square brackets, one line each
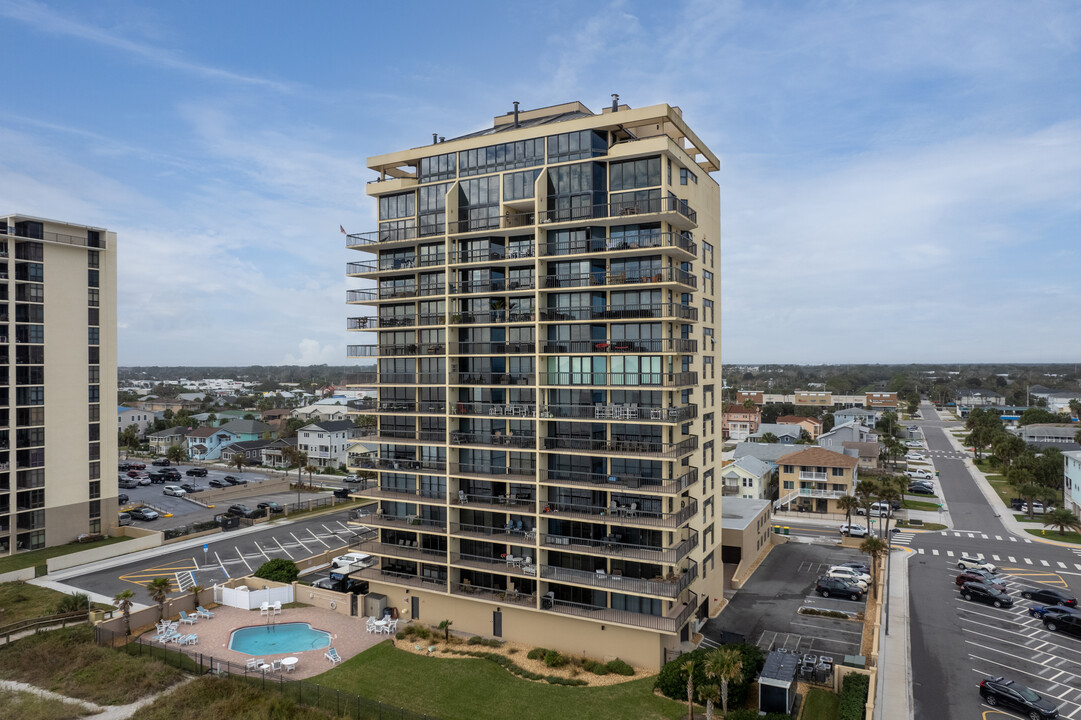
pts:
[640, 241]
[400, 578]
[643, 446]
[830, 494]
[492, 317]
[398, 464]
[620, 412]
[494, 594]
[612, 547]
[624, 482]
[502, 503]
[492, 564]
[620, 312]
[669, 587]
[621, 209]
[484, 378]
[58, 237]
[385, 235]
[493, 348]
[621, 514]
[495, 253]
[501, 534]
[390, 406]
[494, 409]
[486, 286]
[486, 472]
[597, 279]
[391, 436]
[677, 345]
[392, 265]
[373, 378]
[813, 476]
[403, 551]
[525, 442]
[493, 222]
[372, 350]
[671, 623]
[411, 522]
[360, 268]
[372, 489]
[620, 379]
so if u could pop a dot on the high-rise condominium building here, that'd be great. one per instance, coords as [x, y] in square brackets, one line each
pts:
[58, 369]
[546, 335]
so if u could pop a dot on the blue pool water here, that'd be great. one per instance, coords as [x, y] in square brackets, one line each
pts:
[278, 639]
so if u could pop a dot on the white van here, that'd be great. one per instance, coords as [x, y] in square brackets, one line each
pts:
[881, 509]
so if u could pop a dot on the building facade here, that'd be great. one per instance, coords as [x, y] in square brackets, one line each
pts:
[327, 442]
[1072, 485]
[58, 344]
[740, 422]
[816, 478]
[547, 339]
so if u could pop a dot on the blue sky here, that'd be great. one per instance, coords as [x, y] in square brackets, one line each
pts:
[900, 182]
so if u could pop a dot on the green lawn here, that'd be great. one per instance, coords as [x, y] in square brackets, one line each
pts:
[821, 705]
[20, 601]
[1052, 534]
[38, 557]
[476, 689]
[1005, 493]
[1037, 517]
[925, 526]
[910, 504]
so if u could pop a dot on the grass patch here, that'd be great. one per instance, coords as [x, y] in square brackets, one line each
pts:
[1052, 534]
[38, 557]
[68, 662]
[459, 689]
[21, 601]
[1037, 517]
[919, 505]
[210, 697]
[924, 526]
[28, 706]
[821, 705]
[1001, 488]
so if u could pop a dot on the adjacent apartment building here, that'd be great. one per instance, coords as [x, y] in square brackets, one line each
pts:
[545, 324]
[58, 360]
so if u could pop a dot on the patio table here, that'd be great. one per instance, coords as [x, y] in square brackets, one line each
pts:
[290, 663]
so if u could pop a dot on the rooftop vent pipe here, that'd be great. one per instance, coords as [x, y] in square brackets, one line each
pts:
[442, 139]
[435, 138]
[515, 113]
[615, 102]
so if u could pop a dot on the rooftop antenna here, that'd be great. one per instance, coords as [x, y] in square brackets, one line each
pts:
[615, 102]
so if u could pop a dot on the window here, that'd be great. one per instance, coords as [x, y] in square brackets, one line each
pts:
[94, 335]
[28, 292]
[506, 156]
[439, 167]
[95, 470]
[92, 298]
[95, 413]
[34, 272]
[392, 207]
[685, 175]
[92, 259]
[432, 202]
[576, 146]
[92, 278]
[30, 395]
[789, 485]
[519, 185]
[92, 316]
[30, 334]
[631, 174]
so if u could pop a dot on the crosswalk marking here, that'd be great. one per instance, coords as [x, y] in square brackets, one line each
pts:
[1012, 538]
[998, 537]
[1045, 563]
[1077, 565]
[1011, 558]
[1028, 541]
[949, 553]
[934, 552]
[996, 558]
[920, 551]
[1027, 561]
[979, 556]
[1061, 564]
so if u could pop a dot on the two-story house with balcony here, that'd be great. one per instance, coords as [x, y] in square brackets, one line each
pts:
[327, 442]
[863, 416]
[815, 478]
[738, 422]
[747, 477]
[162, 440]
[812, 425]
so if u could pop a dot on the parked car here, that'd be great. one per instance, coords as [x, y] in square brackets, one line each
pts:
[122, 498]
[127, 483]
[966, 562]
[862, 567]
[161, 462]
[985, 576]
[270, 505]
[174, 490]
[156, 477]
[133, 473]
[921, 489]
[138, 466]
[1049, 596]
[351, 560]
[217, 483]
[850, 575]
[854, 530]
[1069, 623]
[143, 513]
[144, 480]
[171, 473]
[910, 457]
[1042, 611]
[241, 510]
[342, 492]
[123, 519]
[999, 692]
[980, 592]
[974, 576]
[234, 480]
[919, 474]
[826, 586]
[191, 487]
[351, 479]
[196, 472]
[913, 444]
[124, 466]
[878, 509]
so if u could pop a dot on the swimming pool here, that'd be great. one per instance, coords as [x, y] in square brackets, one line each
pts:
[278, 639]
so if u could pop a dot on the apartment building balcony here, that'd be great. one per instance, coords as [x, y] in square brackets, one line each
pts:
[505, 534]
[392, 407]
[384, 574]
[821, 493]
[412, 523]
[495, 253]
[481, 409]
[370, 488]
[662, 276]
[495, 503]
[494, 440]
[468, 287]
[599, 379]
[493, 348]
[385, 237]
[682, 346]
[407, 437]
[498, 595]
[486, 378]
[400, 550]
[369, 378]
[410, 349]
[611, 546]
[403, 464]
[624, 483]
[643, 447]
[499, 565]
[811, 476]
[370, 268]
[599, 411]
[486, 472]
[653, 311]
[672, 210]
[669, 586]
[396, 321]
[670, 622]
[369, 296]
[361, 269]
[728, 490]
[613, 513]
[679, 244]
[492, 317]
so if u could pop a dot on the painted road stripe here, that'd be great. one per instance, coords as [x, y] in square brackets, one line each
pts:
[282, 547]
[317, 538]
[261, 550]
[998, 537]
[920, 551]
[949, 553]
[301, 543]
[242, 556]
[1045, 563]
[996, 558]
[1027, 561]
[221, 564]
[1011, 558]
[934, 552]
[1077, 565]
[1062, 564]
[979, 556]
[1012, 538]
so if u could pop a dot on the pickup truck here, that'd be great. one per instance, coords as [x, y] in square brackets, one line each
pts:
[351, 561]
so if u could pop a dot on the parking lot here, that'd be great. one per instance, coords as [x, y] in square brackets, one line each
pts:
[765, 611]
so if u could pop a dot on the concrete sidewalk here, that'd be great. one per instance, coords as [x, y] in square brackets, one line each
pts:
[893, 699]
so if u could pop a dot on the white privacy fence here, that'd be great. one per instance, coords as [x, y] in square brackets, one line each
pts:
[246, 599]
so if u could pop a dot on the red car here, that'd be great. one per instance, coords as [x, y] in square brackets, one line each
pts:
[133, 473]
[138, 466]
[980, 577]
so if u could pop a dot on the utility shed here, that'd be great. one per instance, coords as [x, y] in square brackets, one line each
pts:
[777, 683]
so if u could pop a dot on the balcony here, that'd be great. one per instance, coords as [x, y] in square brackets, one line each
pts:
[667, 275]
[372, 378]
[642, 241]
[620, 412]
[400, 578]
[498, 595]
[495, 253]
[486, 378]
[730, 490]
[358, 351]
[673, 210]
[494, 533]
[612, 547]
[396, 321]
[412, 523]
[491, 286]
[358, 269]
[811, 476]
[496, 503]
[654, 311]
[370, 488]
[406, 407]
[398, 464]
[671, 622]
[386, 236]
[486, 472]
[374, 547]
[508, 221]
[497, 439]
[492, 565]
[392, 436]
[492, 317]
[600, 379]
[490, 348]
[654, 345]
[355, 297]
[641, 447]
[829, 494]
[668, 587]
[632, 483]
[615, 514]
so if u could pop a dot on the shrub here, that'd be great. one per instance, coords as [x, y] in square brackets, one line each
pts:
[854, 696]
[554, 660]
[487, 642]
[423, 633]
[73, 603]
[512, 651]
[745, 714]
[537, 654]
[279, 570]
[620, 668]
[599, 669]
[400, 635]
[671, 682]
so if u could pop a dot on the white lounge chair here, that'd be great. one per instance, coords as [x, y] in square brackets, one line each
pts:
[264, 609]
[333, 656]
[391, 628]
[185, 618]
[203, 612]
[189, 639]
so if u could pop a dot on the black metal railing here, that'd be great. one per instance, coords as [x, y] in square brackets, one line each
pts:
[384, 235]
[484, 470]
[497, 317]
[494, 253]
[620, 209]
[620, 345]
[620, 379]
[487, 378]
[668, 624]
[620, 312]
[397, 464]
[373, 350]
[493, 348]
[638, 241]
[523, 410]
[596, 279]
[391, 406]
[670, 586]
[484, 286]
[620, 412]
[613, 547]
[624, 446]
[615, 513]
[624, 482]
[528, 442]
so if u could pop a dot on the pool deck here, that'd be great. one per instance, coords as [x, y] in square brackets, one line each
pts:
[348, 636]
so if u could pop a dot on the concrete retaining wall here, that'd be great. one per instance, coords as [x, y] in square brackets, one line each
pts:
[17, 575]
[142, 620]
[217, 496]
[107, 551]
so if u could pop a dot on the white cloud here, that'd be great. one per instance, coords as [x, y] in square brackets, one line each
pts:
[311, 352]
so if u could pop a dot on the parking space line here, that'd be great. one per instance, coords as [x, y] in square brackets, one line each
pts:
[218, 558]
[819, 627]
[317, 538]
[282, 547]
[1057, 648]
[242, 557]
[301, 542]
[260, 549]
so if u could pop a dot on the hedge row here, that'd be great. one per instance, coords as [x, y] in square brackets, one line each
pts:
[518, 670]
[854, 696]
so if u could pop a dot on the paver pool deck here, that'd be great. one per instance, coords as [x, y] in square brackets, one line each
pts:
[347, 635]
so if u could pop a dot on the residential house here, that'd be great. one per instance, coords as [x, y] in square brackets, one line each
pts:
[737, 422]
[193, 397]
[126, 417]
[786, 434]
[848, 432]
[768, 453]
[862, 416]
[1060, 435]
[327, 442]
[746, 528]
[1072, 482]
[248, 430]
[220, 418]
[252, 450]
[867, 453]
[882, 401]
[815, 478]
[753, 395]
[203, 443]
[747, 477]
[321, 413]
[273, 453]
[162, 440]
[978, 397]
[812, 425]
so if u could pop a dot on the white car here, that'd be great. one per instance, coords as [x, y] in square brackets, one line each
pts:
[849, 575]
[352, 560]
[915, 456]
[919, 474]
[913, 444]
[174, 490]
[854, 530]
[969, 562]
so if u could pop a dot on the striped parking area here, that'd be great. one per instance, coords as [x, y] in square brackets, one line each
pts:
[1029, 563]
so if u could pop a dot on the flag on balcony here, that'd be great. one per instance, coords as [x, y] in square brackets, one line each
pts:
[342, 228]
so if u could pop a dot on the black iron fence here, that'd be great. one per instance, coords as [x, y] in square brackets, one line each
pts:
[303, 692]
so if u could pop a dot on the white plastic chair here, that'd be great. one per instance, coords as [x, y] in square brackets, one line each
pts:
[462, 497]
[253, 663]
[264, 609]
[278, 607]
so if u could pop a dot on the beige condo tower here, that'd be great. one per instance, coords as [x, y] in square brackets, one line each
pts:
[547, 349]
[58, 365]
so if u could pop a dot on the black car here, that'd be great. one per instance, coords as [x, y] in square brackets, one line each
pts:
[999, 691]
[920, 489]
[191, 487]
[171, 473]
[1049, 596]
[241, 510]
[216, 483]
[122, 498]
[161, 462]
[157, 477]
[827, 586]
[342, 492]
[196, 472]
[234, 480]
[985, 594]
[1068, 623]
[273, 506]
[349, 585]
[124, 466]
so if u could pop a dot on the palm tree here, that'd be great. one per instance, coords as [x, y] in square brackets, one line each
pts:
[445, 627]
[688, 670]
[238, 461]
[159, 592]
[1062, 520]
[769, 438]
[848, 503]
[875, 547]
[887, 494]
[195, 590]
[123, 603]
[311, 470]
[301, 459]
[724, 665]
[712, 694]
[866, 491]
